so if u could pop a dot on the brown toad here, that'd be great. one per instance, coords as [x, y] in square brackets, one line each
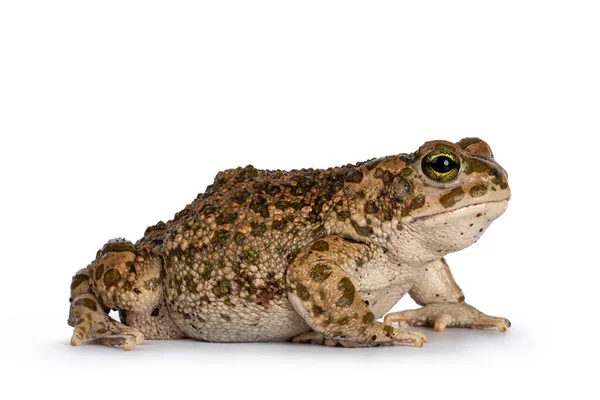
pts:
[308, 255]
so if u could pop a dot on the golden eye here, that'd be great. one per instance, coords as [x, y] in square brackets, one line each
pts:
[441, 165]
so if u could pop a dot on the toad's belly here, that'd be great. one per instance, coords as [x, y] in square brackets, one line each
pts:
[243, 323]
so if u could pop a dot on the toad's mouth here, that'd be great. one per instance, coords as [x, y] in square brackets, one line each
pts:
[496, 208]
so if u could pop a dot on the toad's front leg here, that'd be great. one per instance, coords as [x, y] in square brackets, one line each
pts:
[323, 294]
[444, 304]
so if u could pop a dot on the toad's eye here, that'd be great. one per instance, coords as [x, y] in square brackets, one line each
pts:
[441, 165]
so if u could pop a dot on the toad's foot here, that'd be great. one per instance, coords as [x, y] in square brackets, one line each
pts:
[97, 326]
[445, 315]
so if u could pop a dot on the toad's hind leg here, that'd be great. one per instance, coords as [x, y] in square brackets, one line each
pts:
[91, 321]
[120, 279]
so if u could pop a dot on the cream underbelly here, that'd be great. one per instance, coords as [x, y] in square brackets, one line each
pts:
[250, 323]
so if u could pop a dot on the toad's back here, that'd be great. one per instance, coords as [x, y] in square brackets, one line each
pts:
[225, 255]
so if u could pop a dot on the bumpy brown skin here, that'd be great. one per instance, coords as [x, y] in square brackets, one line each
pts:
[273, 255]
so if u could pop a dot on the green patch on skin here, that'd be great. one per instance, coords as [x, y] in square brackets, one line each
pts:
[78, 280]
[405, 172]
[317, 311]
[128, 286]
[361, 230]
[226, 218]
[347, 287]
[112, 277]
[386, 176]
[371, 207]
[239, 238]
[225, 317]
[320, 272]
[99, 272]
[297, 191]
[478, 191]
[207, 273]
[389, 331]
[251, 257]
[87, 303]
[240, 196]
[279, 224]
[220, 237]
[225, 286]
[258, 229]
[319, 232]
[368, 318]
[208, 209]
[189, 283]
[260, 206]
[452, 197]
[355, 177]
[302, 292]
[320, 245]
[283, 205]
[343, 321]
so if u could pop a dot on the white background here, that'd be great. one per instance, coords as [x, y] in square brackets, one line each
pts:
[114, 115]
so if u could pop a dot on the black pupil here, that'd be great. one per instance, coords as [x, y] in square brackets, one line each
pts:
[443, 164]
